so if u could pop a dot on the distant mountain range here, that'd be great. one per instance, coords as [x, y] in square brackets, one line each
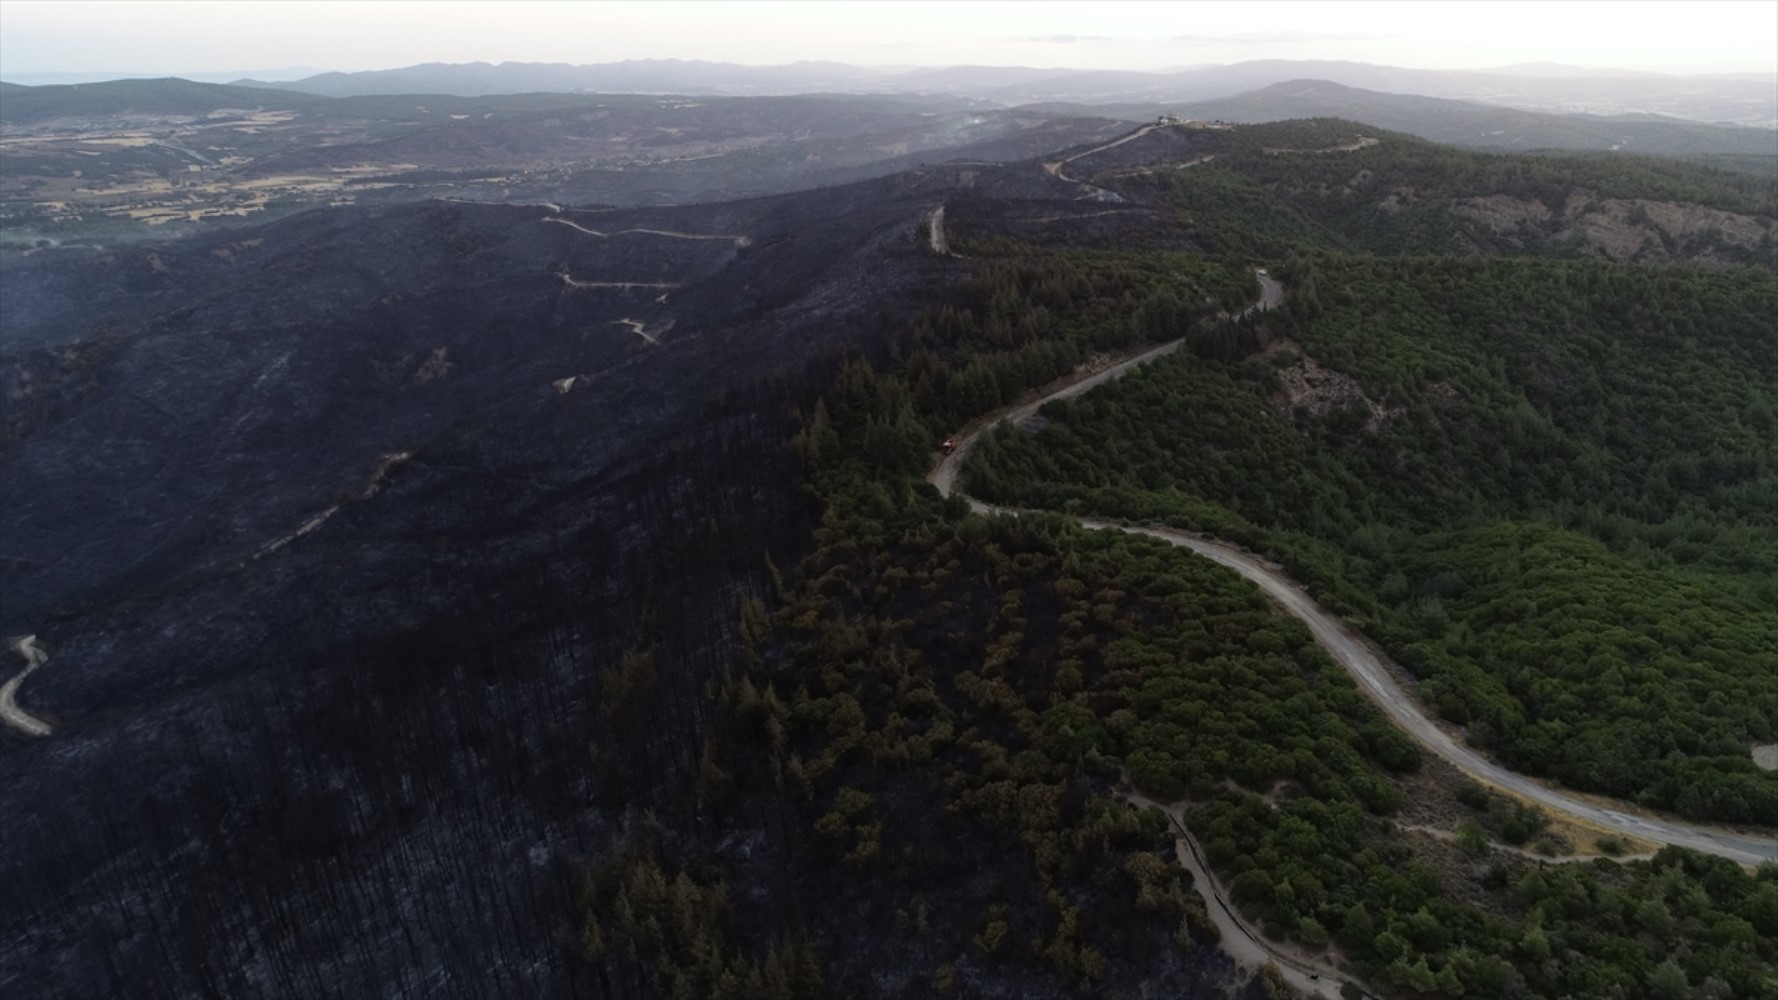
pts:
[1747, 99]
[168, 96]
[1465, 123]
[1459, 123]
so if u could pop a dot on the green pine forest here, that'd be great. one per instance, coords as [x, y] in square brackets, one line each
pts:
[1546, 485]
[1549, 489]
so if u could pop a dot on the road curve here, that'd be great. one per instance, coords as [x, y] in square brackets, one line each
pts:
[740, 241]
[935, 232]
[1376, 680]
[1054, 167]
[1309, 974]
[10, 712]
[944, 475]
[1351, 652]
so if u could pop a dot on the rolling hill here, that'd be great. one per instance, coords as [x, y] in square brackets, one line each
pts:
[1461, 123]
[472, 599]
[26, 106]
[1748, 99]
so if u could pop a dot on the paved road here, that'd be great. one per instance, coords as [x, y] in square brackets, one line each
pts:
[1351, 652]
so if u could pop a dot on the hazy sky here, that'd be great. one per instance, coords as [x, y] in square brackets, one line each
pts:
[172, 38]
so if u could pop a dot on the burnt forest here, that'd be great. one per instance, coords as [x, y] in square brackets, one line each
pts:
[882, 546]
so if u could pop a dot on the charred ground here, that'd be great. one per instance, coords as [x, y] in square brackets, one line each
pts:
[340, 530]
[522, 672]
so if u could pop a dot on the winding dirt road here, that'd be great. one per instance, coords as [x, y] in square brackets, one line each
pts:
[1353, 653]
[1306, 973]
[1377, 681]
[568, 279]
[739, 241]
[944, 475]
[384, 465]
[1054, 167]
[636, 326]
[935, 231]
[10, 712]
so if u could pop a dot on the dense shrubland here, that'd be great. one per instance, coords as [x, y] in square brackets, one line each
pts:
[1404, 195]
[1551, 492]
[1025, 665]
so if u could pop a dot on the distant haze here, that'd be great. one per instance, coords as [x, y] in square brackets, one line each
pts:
[211, 40]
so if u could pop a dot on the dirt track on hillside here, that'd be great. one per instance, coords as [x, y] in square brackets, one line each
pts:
[10, 712]
[1374, 675]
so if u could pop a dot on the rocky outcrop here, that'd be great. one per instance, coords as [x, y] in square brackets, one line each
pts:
[1620, 228]
[1307, 387]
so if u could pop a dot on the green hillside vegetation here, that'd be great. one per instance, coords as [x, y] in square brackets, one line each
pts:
[1555, 501]
[927, 668]
[1398, 195]
[165, 96]
[1757, 166]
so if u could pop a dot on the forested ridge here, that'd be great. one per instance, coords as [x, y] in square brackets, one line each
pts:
[1265, 191]
[995, 632]
[1548, 488]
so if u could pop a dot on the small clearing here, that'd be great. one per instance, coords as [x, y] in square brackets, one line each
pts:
[1552, 859]
[1319, 391]
[1765, 756]
[1159, 167]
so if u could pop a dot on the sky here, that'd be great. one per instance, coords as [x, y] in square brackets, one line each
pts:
[265, 36]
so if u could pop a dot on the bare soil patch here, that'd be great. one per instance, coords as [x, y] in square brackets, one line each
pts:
[1765, 756]
[1305, 385]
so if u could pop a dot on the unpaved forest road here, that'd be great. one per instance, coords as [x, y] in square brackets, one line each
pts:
[739, 241]
[935, 231]
[1054, 167]
[1304, 972]
[568, 280]
[1375, 679]
[14, 716]
[1351, 652]
[639, 330]
[944, 475]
